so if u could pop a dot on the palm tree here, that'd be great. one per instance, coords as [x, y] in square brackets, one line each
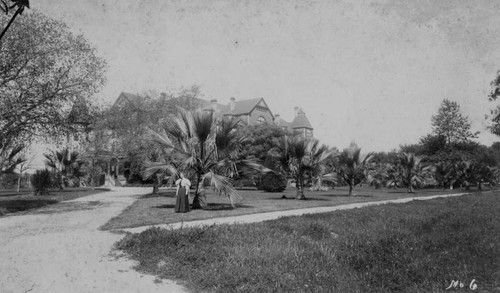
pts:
[475, 173]
[65, 164]
[20, 4]
[353, 167]
[410, 171]
[378, 174]
[445, 173]
[299, 157]
[205, 148]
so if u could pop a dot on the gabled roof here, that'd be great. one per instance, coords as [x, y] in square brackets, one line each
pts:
[133, 100]
[80, 113]
[243, 107]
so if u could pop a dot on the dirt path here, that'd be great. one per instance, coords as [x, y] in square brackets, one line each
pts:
[65, 252]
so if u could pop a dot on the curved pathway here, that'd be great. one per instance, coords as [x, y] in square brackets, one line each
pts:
[65, 252]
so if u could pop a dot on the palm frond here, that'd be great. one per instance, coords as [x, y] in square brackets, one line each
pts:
[223, 185]
[203, 123]
[153, 168]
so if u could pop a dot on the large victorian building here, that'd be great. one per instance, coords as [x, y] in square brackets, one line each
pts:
[255, 111]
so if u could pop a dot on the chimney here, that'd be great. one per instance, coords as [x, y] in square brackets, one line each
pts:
[296, 109]
[213, 104]
[232, 104]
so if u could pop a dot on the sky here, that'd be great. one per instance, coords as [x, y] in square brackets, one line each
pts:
[372, 72]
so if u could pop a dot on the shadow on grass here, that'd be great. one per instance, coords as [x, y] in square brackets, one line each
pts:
[210, 207]
[308, 198]
[168, 194]
[14, 206]
[224, 206]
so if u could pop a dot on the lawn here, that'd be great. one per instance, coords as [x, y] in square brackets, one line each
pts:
[159, 208]
[12, 202]
[421, 246]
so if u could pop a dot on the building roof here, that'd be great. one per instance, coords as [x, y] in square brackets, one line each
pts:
[133, 99]
[241, 107]
[281, 122]
[301, 121]
[80, 113]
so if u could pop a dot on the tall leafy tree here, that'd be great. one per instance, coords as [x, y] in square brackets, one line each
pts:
[260, 139]
[205, 148]
[450, 123]
[353, 167]
[130, 122]
[10, 157]
[44, 69]
[18, 5]
[495, 112]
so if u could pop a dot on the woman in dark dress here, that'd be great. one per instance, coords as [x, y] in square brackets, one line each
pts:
[182, 195]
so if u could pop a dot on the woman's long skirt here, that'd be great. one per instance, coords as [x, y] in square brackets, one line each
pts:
[182, 202]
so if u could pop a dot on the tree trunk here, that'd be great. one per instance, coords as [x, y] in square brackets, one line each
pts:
[61, 182]
[199, 200]
[156, 185]
[19, 182]
[351, 187]
[300, 189]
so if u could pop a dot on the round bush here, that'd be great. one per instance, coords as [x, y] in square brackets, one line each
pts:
[272, 182]
[42, 180]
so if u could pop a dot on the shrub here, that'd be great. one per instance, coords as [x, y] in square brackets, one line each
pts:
[42, 180]
[9, 180]
[3, 211]
[272, 182]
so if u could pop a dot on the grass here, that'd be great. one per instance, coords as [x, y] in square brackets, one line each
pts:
[419, 246]
[12, 202]
[159, 208]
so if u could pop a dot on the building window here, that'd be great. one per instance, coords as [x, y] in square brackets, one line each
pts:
[309, 133]
[261, 120]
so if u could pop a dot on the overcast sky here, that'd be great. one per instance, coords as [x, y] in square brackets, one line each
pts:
[373, 72]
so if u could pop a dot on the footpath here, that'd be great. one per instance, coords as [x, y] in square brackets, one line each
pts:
[252, 218]
[66, 252]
